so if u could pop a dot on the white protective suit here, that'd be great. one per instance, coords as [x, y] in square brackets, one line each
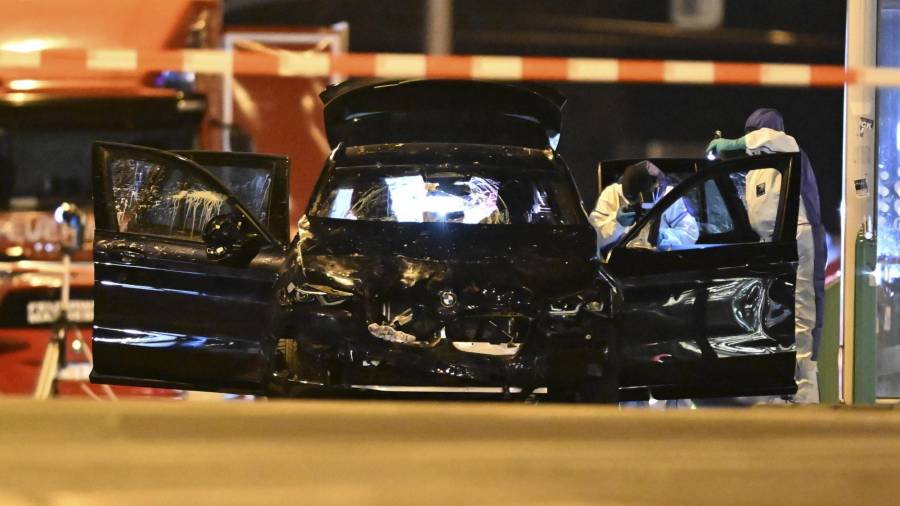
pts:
[678, 227]
[763, 192]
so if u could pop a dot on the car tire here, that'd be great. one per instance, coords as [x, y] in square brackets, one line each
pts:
[598, 390]
[576, 376]
[591, 390]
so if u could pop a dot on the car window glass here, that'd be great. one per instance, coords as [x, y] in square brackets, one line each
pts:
[739, 207]
[151, 198]
[447, 196]
[739, 185]
[253, 187]
[678, 228]
[674, 179]
[715, 218]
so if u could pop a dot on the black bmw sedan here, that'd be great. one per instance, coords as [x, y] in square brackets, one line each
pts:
[445, 251]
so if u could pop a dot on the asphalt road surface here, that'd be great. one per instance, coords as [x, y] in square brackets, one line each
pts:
[317, 452]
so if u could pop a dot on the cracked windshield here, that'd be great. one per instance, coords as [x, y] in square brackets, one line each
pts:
[454, 196]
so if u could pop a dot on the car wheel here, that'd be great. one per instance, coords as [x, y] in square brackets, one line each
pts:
[593, 390]
[598, 390]
[594, 384]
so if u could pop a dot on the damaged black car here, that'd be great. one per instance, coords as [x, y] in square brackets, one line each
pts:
[445, 251]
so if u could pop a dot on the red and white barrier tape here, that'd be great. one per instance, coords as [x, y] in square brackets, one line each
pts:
[503, 68]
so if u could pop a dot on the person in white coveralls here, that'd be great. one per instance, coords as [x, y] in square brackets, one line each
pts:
[764, 133]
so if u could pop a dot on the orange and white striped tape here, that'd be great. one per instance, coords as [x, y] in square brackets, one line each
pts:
[504, 68]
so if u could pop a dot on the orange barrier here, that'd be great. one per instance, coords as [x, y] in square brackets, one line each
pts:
[392, 65]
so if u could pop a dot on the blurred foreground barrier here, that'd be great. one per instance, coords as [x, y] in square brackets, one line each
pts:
[81, 62]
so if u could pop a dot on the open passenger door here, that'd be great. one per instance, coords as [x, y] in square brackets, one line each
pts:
[187, 252]
[713, 315]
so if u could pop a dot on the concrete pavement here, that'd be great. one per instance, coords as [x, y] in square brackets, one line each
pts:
[320, 452]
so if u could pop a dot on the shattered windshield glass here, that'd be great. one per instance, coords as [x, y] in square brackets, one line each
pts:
[429, 195]
[253, 187]
[153, 199]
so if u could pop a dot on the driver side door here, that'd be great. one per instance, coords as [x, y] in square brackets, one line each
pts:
[715, 316]
[172, 309]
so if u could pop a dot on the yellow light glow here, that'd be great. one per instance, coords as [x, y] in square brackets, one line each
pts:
[17, 98]
[26, 45]
[782, 37]
[14, 251]
[23, 84]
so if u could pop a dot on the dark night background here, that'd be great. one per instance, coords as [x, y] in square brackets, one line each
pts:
[603, 121]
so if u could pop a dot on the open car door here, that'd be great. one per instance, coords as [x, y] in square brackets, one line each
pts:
[713, 315]
[187, 252]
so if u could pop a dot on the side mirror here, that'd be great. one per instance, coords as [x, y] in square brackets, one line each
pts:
[231, 239]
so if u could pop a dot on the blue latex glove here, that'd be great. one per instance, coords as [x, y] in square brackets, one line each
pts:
[717, 146]
[668, 240]
[625, 218]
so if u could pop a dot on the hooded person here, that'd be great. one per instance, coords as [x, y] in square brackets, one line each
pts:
[764, 133]
[617, 209]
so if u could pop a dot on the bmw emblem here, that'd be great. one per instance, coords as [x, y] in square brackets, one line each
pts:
[447, 298]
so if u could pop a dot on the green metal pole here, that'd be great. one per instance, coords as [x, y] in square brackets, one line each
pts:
[864, 321]
[828, 347]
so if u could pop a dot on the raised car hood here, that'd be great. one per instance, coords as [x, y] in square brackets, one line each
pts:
[372, 257]
[374, 112]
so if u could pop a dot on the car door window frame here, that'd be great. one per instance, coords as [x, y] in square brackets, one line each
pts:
[738, 212]
[279, 202]
[609, 171]
[786, 220]
[105, 152]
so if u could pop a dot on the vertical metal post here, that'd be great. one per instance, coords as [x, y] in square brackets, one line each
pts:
[439, 27]
[55, 353]
[858, 191]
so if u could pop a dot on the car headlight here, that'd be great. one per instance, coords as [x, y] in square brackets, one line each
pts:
[571, 306]
[595, 306]
[566, 307]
